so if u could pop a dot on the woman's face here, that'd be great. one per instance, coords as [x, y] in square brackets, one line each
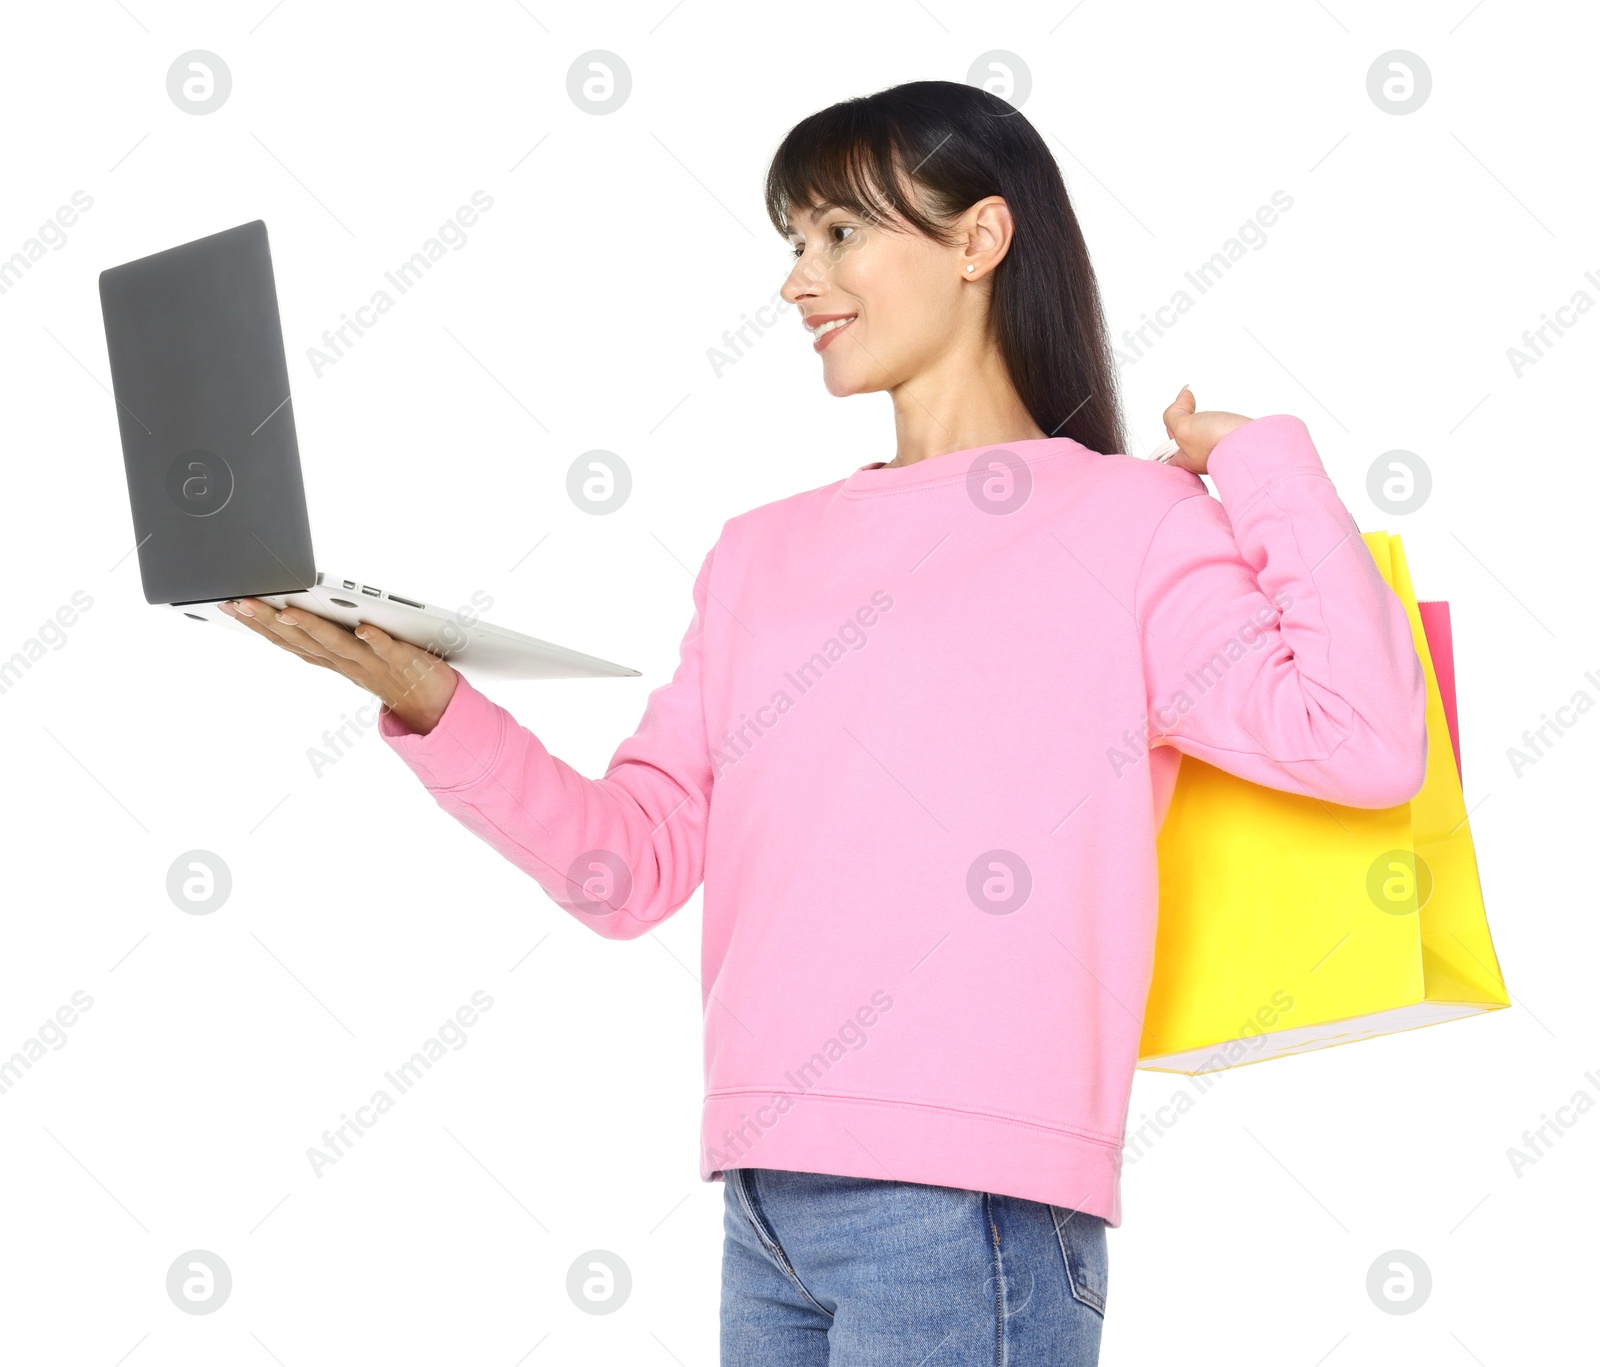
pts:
[899, 290]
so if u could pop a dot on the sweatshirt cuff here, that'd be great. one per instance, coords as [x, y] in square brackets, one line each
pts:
[1259, 453]
[463, 745]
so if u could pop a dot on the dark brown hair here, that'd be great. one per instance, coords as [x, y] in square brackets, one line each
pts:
[958, 144]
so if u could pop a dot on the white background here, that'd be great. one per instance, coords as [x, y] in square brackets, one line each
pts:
[580, 314]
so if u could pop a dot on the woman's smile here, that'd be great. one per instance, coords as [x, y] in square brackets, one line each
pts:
[825, 326]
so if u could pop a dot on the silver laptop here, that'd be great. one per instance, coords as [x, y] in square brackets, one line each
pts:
[208, 442]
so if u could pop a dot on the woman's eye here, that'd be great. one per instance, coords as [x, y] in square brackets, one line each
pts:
[797, 252]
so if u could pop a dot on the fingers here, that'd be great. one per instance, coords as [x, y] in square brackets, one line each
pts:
[377, 640]
[311, 632]
[253, 613]
[315, 660]
[401, 657]
[1178, 412]
[369, 657]
[262, 619]
[276, 638]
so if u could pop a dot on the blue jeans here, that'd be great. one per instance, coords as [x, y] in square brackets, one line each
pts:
[823, 1271]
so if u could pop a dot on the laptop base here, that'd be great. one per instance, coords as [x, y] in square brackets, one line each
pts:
[474, 646]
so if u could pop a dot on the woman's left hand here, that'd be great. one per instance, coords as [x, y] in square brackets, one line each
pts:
[1196, 433]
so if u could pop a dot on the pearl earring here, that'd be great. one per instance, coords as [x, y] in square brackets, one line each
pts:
[969, 268]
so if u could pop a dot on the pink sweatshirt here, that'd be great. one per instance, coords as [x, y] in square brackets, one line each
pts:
[923, 731]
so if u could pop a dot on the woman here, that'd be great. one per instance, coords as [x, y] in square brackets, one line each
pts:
[922, 734]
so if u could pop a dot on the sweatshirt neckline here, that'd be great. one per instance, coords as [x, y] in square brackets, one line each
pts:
[880, 477]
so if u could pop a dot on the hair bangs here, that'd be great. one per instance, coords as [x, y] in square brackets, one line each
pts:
[848, 157]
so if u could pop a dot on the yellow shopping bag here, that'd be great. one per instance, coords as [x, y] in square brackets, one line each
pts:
[1289, 924]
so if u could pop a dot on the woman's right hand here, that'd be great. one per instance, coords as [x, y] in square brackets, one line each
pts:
[415, 685]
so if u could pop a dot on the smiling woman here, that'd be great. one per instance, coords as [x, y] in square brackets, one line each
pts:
[938, 822]
[934, 213]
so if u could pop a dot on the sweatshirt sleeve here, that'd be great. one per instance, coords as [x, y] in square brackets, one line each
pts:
[620, 853]
[1272, 646]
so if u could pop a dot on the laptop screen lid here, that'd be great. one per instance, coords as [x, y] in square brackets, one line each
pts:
[208, 439]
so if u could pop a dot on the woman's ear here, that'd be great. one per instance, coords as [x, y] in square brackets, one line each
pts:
[989, 233]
